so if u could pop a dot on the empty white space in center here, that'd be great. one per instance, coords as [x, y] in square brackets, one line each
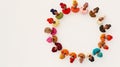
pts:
[78, 32]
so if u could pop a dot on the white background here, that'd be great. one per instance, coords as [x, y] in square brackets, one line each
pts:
[22, 37]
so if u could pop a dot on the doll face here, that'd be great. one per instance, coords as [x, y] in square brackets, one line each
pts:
[56, 13]
[107, 26]
[75, 4]
[101, 19]
[96, 9]
[85, 6]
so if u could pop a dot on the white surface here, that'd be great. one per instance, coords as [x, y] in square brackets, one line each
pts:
[23, 44]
